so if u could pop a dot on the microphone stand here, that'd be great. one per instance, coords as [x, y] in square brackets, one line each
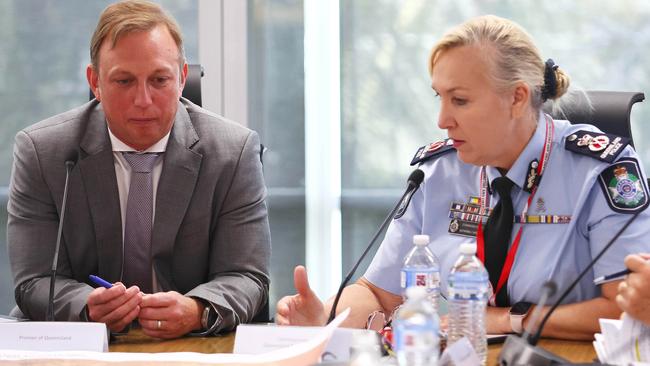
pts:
[50, 303]
[414, 181]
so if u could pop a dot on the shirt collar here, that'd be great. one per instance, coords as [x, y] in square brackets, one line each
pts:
[532, 151]
[119, 146]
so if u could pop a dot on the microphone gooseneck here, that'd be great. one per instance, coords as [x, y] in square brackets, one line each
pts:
[548, 290]
[69, 164]
[414, 181]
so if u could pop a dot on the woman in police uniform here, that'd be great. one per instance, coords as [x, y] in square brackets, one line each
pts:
[539, 197]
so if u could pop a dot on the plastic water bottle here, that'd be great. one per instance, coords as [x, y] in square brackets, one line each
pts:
[468, 296]
[416, 330]
[421, 268]
[365, 349]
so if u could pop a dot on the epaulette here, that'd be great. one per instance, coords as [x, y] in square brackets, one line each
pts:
[437, 148]
[599, 145]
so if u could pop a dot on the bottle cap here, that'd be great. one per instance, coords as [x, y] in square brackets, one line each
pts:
[468, 248]
[416, 292]
[421, 240]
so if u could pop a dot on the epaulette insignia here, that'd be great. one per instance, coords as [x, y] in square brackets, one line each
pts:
[598, 145]
[426, 152]
[624, 187]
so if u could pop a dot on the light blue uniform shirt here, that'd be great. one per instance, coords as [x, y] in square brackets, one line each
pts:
[547, 251]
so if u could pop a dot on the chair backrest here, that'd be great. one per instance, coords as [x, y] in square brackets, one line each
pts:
[192, 90]
[611, 111]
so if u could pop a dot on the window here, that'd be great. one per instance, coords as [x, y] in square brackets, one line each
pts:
[276, 110]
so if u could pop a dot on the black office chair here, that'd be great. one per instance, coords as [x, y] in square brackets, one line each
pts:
[192, 90]
[611, 111]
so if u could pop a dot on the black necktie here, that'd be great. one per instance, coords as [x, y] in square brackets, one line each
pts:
[497, 233]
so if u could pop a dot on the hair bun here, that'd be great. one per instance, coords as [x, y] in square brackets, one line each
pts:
[556, 82]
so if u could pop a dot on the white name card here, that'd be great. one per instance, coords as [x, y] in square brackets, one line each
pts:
[54, 336]
[255, 339]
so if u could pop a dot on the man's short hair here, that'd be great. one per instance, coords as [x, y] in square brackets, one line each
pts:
[129, 16]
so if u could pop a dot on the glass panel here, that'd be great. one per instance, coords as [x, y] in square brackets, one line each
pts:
[276, 110]
[43, 54]
[388, 108]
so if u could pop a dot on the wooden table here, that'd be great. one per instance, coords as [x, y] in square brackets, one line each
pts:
[574, 351]
[135, 341]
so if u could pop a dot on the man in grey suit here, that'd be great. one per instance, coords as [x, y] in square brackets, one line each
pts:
[206, 239]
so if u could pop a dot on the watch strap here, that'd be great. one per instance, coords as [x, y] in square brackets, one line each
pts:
[211, 324]
[517, 319]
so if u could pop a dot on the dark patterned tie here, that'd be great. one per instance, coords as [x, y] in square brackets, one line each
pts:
[498, 230]
[138, 222]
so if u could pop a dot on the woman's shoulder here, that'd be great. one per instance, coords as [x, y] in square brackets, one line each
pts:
[590, 143]
[439, 157]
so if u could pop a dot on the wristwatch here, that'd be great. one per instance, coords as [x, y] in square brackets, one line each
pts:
[206, 317]
[518, 313]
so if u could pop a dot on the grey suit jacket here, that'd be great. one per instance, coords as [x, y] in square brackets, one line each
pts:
[210, 236]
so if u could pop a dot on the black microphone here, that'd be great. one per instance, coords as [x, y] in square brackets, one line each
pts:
[414, 181]
[69, 164]
[521, 351]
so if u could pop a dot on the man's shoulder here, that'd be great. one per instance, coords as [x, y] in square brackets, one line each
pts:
[63, 124]
[211, 125]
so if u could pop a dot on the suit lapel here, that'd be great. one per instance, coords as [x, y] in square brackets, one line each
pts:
[98, 174]
[175, 189]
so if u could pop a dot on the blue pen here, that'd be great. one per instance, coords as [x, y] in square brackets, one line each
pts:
[100, 281]
[611, 277]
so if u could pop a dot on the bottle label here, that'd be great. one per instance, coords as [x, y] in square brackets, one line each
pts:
[415, 340]
[420, 277]
[468, 286]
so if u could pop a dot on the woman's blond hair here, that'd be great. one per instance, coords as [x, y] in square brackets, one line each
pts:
[510, 53]
[129, 16]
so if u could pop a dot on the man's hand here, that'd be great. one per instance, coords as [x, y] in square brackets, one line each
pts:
[169, 314]
[634, 293]
[116, 306]
[304, 308]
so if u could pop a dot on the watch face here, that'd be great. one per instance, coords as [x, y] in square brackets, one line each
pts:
[520, 308]
[205, 317]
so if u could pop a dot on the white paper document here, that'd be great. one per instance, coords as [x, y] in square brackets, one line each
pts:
[622, 342]
[300, 354]
[255, 339]
[54, 336]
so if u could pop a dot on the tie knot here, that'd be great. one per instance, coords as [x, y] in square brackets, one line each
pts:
[141, 163]
[503, 186]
